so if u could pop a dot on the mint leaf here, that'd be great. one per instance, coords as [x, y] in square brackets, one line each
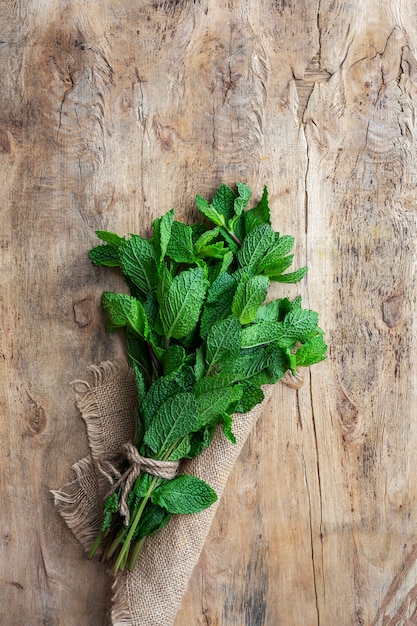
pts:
[184, 494]
[313, 351]
[125, 310]
[223, 201]
[210, 212]
[200, 441]
[162, 232]
[182, 449]
[301, 324]
[262, 333]
[227, 427]
[165, 282]
[180, 247]
[258, 215]
[222, 344]
[254, 246]
[137, 258]
[244, 195]
[219, 301]
[177, 417]
[249, 296]
[105, 255]
[251, 396]
[205, 238]
[160, 390]
[280, 249]
[293, 277]
[214, 396]
[110, 238]
[268, 312]
[181, 304]
[173, 359]
[276, 268]
[153, 518]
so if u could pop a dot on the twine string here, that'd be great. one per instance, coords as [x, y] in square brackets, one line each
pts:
[137, 465]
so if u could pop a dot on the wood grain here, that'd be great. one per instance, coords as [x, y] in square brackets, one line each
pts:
[110, 114]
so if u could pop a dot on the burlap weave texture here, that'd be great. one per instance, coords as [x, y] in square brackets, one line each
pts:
[152, 593]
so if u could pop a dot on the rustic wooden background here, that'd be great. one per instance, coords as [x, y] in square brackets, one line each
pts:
[112, 112]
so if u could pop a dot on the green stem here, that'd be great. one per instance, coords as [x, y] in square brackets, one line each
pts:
[134, 554]
[112, 549]
[126, 545]
[95, 545]
[233, 236]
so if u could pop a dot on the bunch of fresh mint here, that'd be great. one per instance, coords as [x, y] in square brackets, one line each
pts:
[202, 340]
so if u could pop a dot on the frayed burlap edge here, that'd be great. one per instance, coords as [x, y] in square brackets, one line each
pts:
[81, 507]
[155, 578]
[106, 373]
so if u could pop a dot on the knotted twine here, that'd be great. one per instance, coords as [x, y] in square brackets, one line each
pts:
[152, 593]
[137, 465]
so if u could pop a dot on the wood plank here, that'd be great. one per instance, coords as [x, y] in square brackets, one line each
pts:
[111, 113]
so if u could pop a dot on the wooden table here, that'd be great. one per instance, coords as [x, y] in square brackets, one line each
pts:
[112, 112]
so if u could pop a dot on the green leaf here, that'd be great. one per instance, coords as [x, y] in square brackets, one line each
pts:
[181, 304]
[200, 364]
[255, 245]
[301, 324]
[210, 212]
[180, 247]
[251, 396]
[268, 312]
[181, 450]
[249, 296]
[313, 351]
[140, 383]
[125, 310]
[278, 267]
[138, 262]
[244, 195]
[160, 390]
[165, 282]
[142, 485]
[178, 416]
[184, 494]
[110, 238]
[173, 359]
[200, 441]
[223, 201]
[214, 396]
[222, 343]
[227, 427]
[105, 255]
[279, 250]
[292, 361]
[223, 287]
[258, 215]
[111, 505]
[162, 232]
[292, 277]
[205, 239]
[219, 302]
[262, 333]
[153, 518]
[214, 251]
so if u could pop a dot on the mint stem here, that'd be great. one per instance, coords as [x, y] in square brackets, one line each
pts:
[121, 559]
[154, 360]
[235, 239]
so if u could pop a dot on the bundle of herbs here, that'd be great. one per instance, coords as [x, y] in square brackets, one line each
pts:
[202, 340]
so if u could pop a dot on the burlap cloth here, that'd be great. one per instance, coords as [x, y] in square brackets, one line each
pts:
[152, 593]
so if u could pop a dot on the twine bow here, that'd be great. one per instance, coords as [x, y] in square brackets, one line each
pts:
[137, 465]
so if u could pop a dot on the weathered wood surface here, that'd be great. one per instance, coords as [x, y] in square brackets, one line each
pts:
[113, 111]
